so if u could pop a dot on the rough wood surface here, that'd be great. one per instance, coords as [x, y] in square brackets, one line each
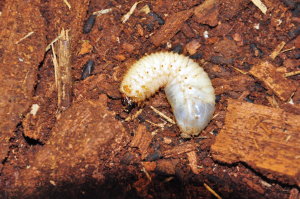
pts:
[180, 149]
[207, 12]
[172, 26]
[141, 140]
[63, 72]
[265, 138]
[80, 139]
[274, 80]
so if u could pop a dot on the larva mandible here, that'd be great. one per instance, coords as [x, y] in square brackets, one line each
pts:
[187, 87]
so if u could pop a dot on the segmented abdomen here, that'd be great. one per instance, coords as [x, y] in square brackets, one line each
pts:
[187, 87]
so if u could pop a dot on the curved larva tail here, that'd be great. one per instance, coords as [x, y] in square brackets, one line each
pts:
[187, 86]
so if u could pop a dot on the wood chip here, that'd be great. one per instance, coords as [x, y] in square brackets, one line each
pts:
[128, 14]
[260, 5]
[292, 73]
[62, 66]
[207, 12]
[177, 150]
[193, 163]
[277, 50]
[257, 135]
[275, 81]
[68, 4]
[171, 27]
[141, 140]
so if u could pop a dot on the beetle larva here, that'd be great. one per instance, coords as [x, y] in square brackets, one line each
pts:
[187, 87]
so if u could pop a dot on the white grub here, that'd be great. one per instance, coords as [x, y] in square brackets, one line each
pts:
[187, 87]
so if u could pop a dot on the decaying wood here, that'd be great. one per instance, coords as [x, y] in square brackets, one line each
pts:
[193, 163]
[62, 66]
[180, 149]
[171, 27]
[207, 12]
[265, 138]
[274, 80]
[236, 83]
[142, 140]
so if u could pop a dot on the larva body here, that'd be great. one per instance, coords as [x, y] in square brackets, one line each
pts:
[187, 87]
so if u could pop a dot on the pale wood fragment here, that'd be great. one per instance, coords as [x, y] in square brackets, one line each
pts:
[265, 138]
[274, 80]
[142, 140]
[171, 27]
[180, 149]
[63, 78]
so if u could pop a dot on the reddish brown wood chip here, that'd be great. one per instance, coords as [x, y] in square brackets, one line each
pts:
[183, 148]
[265, 138]
[171, 27]
[207, 13]
[141, 140]
[274, 80]
[193, 163]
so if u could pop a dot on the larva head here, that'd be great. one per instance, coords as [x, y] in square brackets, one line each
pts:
[131, 92]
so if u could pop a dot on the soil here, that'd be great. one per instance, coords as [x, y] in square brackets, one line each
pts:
[101, 147]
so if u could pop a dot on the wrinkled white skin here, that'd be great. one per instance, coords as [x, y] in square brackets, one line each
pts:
[187, 87]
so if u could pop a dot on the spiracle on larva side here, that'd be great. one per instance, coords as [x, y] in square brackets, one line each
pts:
[187, 87]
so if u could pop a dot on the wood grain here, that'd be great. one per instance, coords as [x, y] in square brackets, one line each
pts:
[265, 138]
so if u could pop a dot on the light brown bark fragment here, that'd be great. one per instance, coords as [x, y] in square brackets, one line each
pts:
[193, 163]
[265, 138]
[207, 12]
[171, 27]
[141, 140]
[183, 148]
[274, 80]
[63, 71]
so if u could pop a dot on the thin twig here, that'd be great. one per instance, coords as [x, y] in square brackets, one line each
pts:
[163, 115]
[212, 191]
[68, 4]
[128, 14]
[260, 5]
[292, 73]
[132, 117]
[277, 50]
[28, 35]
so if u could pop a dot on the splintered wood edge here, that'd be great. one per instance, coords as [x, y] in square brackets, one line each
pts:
[265, 138]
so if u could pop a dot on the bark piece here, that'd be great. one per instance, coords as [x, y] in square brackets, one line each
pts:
[265, 138]
[142, 140]
[183, 148]
[193, 163]
[22, 45]
[62, 67]
[167, 166]
[81, 139]
[207, 13]
[171, 27]
[236, 83]
[275, 81]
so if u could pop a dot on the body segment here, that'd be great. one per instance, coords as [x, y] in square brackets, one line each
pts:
[187, 87]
